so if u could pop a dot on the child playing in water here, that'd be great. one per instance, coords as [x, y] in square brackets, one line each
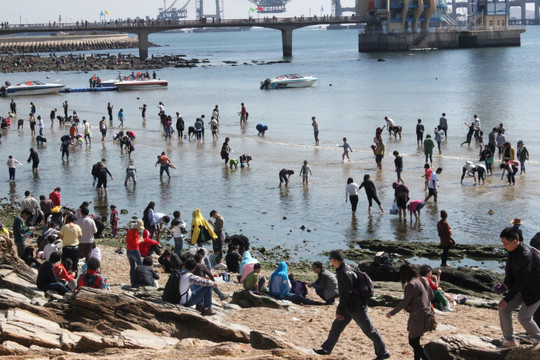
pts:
[346, 148]
[305, 171]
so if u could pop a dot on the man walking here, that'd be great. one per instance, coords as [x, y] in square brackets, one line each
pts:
[443, 123]
[351, 306]
[521, 287]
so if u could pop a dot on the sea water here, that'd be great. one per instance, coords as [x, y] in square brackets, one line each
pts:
[354, 93]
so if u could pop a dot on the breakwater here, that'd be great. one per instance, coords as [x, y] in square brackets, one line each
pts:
[47, 44]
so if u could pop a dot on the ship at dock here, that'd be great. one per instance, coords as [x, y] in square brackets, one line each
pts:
[402, 25]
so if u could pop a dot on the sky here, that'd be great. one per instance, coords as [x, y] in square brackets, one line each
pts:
[43, 11]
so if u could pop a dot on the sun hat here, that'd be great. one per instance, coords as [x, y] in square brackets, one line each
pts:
[139, 225]
[516, 221]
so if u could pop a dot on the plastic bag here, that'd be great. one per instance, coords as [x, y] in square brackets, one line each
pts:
[394, 210]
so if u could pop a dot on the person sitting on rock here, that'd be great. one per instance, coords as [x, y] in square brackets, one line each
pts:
[280, 287]
[92, 278]
[326, 285]
[203, 271]
[439, 296]
[196, 290]
[233, 259]
[148, 246]
[246, 266]
[170, 261]
[66, 277]
[145, 275]
[46, 280]
[254, 281]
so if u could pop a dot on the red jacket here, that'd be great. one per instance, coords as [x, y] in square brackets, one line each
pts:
[55, 198]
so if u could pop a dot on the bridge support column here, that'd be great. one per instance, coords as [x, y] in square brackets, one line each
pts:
[536, 11]
[286, 39]
[523, 14]
[143, 45]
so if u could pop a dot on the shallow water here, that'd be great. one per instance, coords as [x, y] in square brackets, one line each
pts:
[353, 95]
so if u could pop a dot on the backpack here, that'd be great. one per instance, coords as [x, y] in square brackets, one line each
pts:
[363, 285]
[171, 292]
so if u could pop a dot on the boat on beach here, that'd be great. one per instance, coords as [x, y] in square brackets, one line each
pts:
[140, 84]
[288, 81]
[34, 87]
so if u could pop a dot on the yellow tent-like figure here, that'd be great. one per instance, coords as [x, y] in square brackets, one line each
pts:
[200, 229]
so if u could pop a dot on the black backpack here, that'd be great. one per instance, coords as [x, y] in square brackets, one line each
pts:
[171, 293]
[363, 286]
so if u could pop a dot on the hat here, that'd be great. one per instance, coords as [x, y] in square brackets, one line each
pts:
[520, 142]
[139, 225]
[516, 221]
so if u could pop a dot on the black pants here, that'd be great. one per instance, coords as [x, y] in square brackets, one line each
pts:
[419, 352]
[354, 202]
[444, 257]
[71, 252]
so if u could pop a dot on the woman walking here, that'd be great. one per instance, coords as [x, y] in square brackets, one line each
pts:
[351, 192]
[417, 301]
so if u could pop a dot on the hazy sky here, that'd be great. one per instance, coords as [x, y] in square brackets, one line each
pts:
[43, 11]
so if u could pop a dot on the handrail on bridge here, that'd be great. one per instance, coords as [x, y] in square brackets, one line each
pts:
[203, 22]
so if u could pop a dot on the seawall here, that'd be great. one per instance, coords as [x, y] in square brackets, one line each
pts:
[15, 44]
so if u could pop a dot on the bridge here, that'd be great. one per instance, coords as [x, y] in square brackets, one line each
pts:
[143, 28]
[522, 4]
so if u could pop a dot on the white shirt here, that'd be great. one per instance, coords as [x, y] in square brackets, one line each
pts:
[158, 217]
[351, 189]
[95, 253]
[40, 123]
[177, 229]
[469, 166]
[48, 250]
[389, 122]
[433, 181]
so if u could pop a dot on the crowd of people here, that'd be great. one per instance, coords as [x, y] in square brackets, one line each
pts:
[67, 236]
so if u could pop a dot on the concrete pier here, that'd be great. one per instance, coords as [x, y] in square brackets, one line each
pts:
[375, 42]
[286, 39]
[143, 45]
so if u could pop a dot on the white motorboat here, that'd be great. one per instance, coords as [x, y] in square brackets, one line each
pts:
[108, 83]
[141, 84]
[288, 81]
[35, 87]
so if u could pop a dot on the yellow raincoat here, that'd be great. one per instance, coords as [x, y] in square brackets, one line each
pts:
[197, 223]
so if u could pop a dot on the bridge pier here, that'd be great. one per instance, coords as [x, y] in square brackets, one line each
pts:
[523, 14]
[143, 45]
[286, 39]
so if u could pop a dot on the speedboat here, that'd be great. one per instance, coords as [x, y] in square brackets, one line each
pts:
[140, 84]
[108, 83]
[288, 81]
[35, 87]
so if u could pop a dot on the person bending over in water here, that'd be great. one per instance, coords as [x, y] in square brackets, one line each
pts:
[284, 176]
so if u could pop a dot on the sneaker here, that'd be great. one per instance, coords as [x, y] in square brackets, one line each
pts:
[462, 300]
[510, 344]
[447, 308]
[382, 357]
[225, 297]
[208, 312]
[321, 351]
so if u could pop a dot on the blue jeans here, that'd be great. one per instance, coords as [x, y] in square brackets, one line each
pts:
[58, 287]
[178, 245]
[134, 257]
[201, 295]
[298, 298]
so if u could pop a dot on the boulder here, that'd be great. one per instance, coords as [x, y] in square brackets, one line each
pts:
[262, 341]
[462, 346]
[110, 313]
[248, 299]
